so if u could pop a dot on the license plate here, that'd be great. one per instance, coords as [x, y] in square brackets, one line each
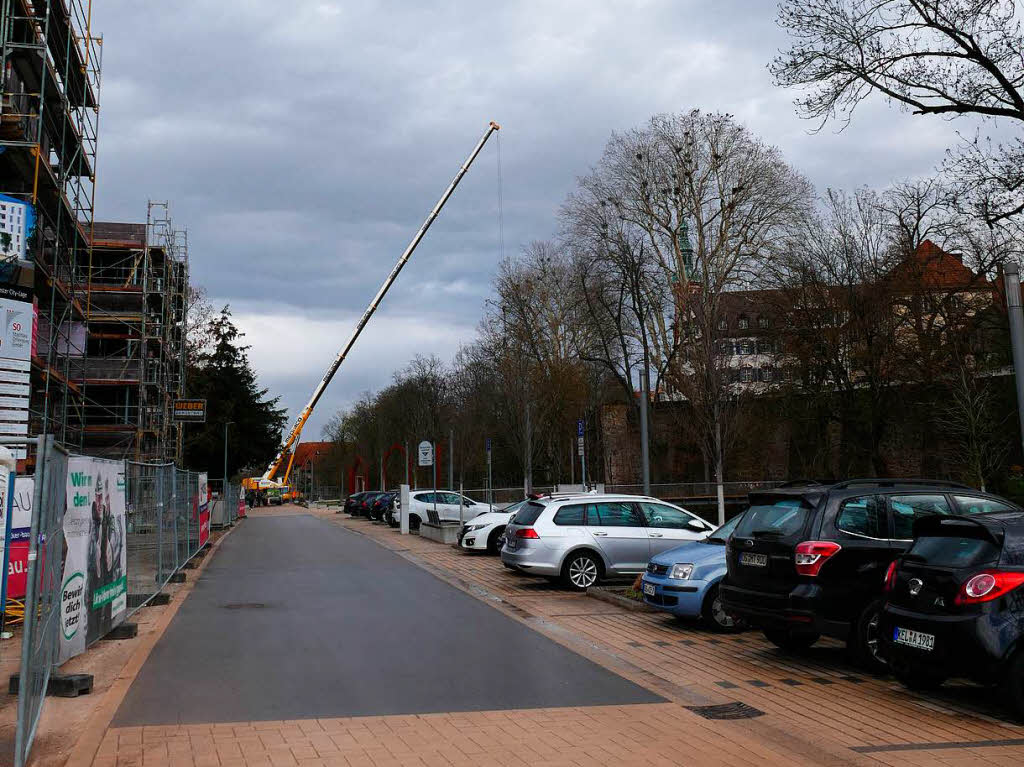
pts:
[915, 639]
[510, 542]
[649, 589]
[754, 560]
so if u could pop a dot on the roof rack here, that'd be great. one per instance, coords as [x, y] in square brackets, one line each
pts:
[894, 481]
[798, 483]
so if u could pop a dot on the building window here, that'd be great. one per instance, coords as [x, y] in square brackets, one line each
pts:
[764, 346]
[747, 346]
[767, 373]
[743, 322]
[723, 324]
[746, 374]
[725, 348]
[762, 322]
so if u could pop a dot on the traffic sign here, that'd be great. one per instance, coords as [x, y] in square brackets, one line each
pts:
[579, 446]
[579, 428]
[426, 453]
[488, 444]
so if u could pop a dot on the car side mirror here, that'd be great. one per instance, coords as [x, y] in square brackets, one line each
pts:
[467, 502]
[697, 526]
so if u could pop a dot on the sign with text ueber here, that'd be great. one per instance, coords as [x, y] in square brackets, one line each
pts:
[190, 410]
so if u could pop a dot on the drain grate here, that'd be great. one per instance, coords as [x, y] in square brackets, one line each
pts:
[244, 606]
[727, 711]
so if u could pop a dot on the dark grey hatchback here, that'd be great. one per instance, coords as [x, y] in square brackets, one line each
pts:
[955, 604]
[809, 559]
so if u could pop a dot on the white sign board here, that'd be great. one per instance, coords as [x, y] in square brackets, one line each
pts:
[426, 454]
[579, 445]
[15, 329]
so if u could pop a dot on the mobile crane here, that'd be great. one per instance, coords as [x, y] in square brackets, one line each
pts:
[267, 482]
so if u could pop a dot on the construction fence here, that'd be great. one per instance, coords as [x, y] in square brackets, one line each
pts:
[167, 520]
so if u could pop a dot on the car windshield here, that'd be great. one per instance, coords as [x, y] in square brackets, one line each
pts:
[527, 514]
[774, 519]
[953, 551]
[721, 535]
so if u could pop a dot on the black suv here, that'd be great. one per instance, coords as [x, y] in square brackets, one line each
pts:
[956, 604]
[810, 559]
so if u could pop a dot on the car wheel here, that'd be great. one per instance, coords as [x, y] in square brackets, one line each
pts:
[916, 678]
[864, 644]
[494, 540]
[581, 571]
[1013, 684]
[414, 522]
[791, 641]
[716, 617]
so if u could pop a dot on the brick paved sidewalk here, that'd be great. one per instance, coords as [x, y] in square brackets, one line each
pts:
[815, 708]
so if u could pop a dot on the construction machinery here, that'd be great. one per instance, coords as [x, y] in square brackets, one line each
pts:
[267, 483]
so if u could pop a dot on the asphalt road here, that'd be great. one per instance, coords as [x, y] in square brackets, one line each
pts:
[298, 618]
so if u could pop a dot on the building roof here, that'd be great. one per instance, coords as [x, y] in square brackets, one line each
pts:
[306, 451]
[932, 267]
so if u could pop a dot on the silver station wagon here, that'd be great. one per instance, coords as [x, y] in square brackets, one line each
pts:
[582, 539]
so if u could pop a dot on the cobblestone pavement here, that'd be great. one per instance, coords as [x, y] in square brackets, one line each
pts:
[808, 709]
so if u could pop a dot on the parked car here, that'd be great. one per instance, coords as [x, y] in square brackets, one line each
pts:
[380, 504]
[684, 581]
[955, 604]
[352, 502]
[450, 506]
[809, 560]
[486, 531]
[585, 538]
[362, 508]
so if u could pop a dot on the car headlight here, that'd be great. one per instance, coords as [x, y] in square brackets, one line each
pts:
[471, 528]
[680, 571]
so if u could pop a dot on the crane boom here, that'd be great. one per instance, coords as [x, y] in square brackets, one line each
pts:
[293, 436]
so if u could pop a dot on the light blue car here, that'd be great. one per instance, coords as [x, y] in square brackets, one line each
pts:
[684, 580]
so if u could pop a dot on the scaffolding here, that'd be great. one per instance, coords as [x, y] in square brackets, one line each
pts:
[134, 361]
[50, 65]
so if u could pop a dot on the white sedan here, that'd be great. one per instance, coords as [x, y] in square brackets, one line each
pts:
[485, 532]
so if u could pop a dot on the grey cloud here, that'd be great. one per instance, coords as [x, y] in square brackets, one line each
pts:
[303, 147]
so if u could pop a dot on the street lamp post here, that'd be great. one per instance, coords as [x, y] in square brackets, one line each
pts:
[224, 489]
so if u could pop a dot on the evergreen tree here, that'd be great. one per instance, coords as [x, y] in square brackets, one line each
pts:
[220, 373]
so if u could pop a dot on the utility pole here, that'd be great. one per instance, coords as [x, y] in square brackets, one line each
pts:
[451, 459]
[1011, 280]
[528, 456]
[490, 485]
[645, 456]
[582, 449]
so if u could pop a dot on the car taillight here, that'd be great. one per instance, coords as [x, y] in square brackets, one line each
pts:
[811, 555]
[890, 577]
[526, 532]
[986, 586]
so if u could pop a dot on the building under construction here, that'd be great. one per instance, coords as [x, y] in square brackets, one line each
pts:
[134, 363]
[92, 348]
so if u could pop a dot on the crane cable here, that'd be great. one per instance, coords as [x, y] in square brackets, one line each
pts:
[501, 208]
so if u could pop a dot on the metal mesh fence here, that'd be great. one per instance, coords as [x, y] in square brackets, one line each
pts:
[162, 520]
[43, 591]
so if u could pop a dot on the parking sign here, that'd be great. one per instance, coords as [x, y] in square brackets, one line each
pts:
[426, 454]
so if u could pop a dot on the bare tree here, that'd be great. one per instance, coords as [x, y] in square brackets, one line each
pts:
[972, 421]
[932, 57]
[656, 292]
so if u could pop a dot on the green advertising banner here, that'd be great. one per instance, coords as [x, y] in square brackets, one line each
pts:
[94, 591]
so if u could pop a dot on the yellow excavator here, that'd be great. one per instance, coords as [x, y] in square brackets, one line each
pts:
[269, 487]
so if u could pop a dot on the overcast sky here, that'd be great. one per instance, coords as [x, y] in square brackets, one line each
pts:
[302, 144]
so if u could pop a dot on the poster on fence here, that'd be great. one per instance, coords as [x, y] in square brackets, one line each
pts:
[21, 527]
[204, 509]
[95, 585]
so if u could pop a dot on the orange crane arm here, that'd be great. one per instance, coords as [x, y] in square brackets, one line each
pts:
[293, 436]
